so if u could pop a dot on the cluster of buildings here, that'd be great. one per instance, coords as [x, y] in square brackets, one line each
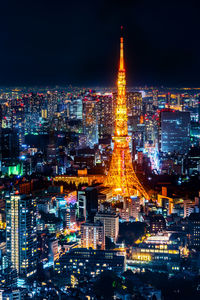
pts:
[47, 131]
[76, 203]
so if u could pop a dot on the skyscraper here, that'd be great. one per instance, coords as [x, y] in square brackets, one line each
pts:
[121, 176]
[105, 115]
[87, 203]
[134, 103]
[175, 131]
[194, 230]
[90, 120]
[10, 146]
[76, 109]
[21, 238]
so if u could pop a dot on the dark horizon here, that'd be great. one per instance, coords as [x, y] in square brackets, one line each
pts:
[63, 43]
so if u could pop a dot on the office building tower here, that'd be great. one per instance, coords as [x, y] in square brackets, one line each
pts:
[111, 223]
[34, 103]
[75, 109]
[194, 230]
[131, 208]
[52, 102]
[9, 146]
[21, 238]
[134, 103]
[105, 120]
[87, 203]
[155, 98]
[135, 207]
[18, 120]
[175, 131]
[90, 120]
[92, 235]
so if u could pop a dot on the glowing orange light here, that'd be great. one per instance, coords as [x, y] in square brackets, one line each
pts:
[121, 176]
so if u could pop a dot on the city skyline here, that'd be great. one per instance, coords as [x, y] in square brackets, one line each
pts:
[99, 187]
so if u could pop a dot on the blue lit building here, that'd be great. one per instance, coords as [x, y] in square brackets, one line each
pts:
[174, 131]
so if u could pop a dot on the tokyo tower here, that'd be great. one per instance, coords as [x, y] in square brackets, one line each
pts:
[121, 176]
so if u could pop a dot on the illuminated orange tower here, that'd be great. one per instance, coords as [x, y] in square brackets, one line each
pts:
[121, 176]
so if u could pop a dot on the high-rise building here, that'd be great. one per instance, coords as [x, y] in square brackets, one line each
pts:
[18, 120]
[90, 120]
[105, 119]
[92, 235]
[121, 176]
[87, 203]
[10, 146]
[52, 102]
[194, 230]
[76, 109]
[21, 238]
[134, 103]
[174, 131]
[134, 207]
[110, 222]
[34, 103]
[155, 98]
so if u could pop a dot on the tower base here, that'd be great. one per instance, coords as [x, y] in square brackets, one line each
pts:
[121, 176]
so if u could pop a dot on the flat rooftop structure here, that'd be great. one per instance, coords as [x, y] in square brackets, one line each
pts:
[80, 179]
[158, 238]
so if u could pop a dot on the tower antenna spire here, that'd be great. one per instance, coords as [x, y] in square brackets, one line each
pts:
[121, 64]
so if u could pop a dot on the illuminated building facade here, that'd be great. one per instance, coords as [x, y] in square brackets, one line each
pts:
[18, 120]
[34, 103]
[76, 109]
[106, 121]
[194, 230]
[90, 120]
[157, 223]
[134, 103]
[121, 176]
[10, 146]
[92, 235]
[80, 179]
[89, 262]
[21, 236]
[133, 206]
[175, 131]
[110, 222]
[157, 252]
[87, 203]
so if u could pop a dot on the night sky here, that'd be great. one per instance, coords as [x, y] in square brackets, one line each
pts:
[77, 42]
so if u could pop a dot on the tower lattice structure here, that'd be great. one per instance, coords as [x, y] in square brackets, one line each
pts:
[121, 176]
